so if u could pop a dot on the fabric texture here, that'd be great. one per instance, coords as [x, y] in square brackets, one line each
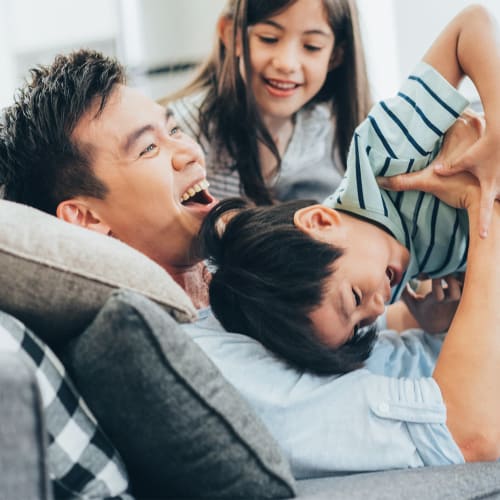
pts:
[306, 172]
[458, 482]
[81, 460]
[22, 433]
[57, 275]
[389, 414]
[182, 430]
[400, 135]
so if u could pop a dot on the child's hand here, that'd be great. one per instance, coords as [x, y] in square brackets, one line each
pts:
[481, 158]
[434, 309]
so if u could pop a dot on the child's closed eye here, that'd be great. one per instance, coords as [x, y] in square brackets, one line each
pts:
[357, 298]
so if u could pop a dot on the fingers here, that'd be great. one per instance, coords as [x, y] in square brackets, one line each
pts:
[415, 181]
[454, 290]
[447, 168]
[437, 289]
[488, 196]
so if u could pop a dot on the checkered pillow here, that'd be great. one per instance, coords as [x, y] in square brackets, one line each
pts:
[81, 460]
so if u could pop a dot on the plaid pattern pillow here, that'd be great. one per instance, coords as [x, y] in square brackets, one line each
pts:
[81, 460]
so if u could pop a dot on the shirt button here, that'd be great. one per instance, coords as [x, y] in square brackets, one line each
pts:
[383, 408]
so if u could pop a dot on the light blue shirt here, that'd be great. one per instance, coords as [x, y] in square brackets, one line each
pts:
[387, 415]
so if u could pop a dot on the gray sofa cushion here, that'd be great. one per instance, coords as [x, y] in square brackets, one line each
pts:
[56, 276]
[23, 466]
[454, 482]
[182, 430]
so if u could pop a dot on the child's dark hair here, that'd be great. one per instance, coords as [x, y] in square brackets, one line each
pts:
[269, 276]
[40, 163]
[229, 115]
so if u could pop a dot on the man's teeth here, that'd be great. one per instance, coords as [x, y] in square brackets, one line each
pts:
[200, 186]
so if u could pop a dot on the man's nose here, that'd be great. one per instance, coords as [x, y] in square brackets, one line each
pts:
[186, 151]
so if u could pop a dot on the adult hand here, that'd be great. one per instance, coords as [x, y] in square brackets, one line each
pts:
[482, 159]
[454, 190]
[435, 308]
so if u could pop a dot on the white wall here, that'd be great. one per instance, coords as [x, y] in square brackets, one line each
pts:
[398, 32]
[149, 33]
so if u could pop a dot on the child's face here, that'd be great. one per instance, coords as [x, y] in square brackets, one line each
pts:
[290, 55]
[356, 293]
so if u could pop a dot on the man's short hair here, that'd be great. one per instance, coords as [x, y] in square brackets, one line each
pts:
[269, 276]
[40, 163]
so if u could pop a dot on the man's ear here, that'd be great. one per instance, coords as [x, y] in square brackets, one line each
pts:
[225, 28]
[77, 212]
[337, 57]
[317, 221]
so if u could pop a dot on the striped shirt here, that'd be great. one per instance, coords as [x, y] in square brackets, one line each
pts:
[310, 168]
[400, 135]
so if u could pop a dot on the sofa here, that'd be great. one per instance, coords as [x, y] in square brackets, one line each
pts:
[155, 407]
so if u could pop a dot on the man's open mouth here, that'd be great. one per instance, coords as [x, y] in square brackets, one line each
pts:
[197, 194]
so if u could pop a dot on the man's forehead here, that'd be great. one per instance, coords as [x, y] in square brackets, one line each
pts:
[124, 110]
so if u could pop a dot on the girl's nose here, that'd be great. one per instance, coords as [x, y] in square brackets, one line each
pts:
[286, 60]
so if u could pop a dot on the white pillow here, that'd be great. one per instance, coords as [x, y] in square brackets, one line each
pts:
[56, 276]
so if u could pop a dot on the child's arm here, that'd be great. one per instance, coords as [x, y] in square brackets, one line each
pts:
[469, 46]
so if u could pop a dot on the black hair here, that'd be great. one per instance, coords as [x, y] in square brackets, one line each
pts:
[269, 276]
[40, 163]
[229, 115]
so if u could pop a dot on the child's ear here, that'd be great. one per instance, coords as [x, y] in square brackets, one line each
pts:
[76, 211]
[337, 57]
[225, 28]
[317, 221]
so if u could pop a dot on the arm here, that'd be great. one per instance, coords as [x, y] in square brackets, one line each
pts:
[468, 367]
[469, 46]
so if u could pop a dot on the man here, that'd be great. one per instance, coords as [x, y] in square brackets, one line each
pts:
[80, 144]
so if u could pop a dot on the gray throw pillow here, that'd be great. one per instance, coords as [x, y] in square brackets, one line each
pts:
[181, 428]
[56, 276]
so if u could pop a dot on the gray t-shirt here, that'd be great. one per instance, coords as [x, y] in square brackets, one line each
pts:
[310, 168]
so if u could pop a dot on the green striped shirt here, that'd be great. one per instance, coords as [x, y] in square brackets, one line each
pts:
[403, 134]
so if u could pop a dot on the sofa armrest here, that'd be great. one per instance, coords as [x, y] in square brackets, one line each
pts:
[23, 465]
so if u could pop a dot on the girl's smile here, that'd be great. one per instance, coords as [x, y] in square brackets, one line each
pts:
[290, 55]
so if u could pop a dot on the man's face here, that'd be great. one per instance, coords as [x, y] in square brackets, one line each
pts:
[155, 175]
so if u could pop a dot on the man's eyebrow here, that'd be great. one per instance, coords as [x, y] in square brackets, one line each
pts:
[133, 137]
[276, 25]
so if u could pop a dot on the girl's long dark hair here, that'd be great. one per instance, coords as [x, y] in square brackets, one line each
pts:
[229, 115]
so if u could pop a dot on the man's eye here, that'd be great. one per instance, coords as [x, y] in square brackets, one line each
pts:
[357, 298]
[147, 150]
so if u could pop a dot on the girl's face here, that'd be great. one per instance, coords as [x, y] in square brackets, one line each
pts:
[290, 55]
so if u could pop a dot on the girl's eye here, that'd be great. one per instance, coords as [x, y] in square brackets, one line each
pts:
[175, 130]
[357, 298]
[312, 48]
[268, 39]
[147, 150]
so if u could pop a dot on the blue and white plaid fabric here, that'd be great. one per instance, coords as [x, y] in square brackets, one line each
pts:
[82, 462]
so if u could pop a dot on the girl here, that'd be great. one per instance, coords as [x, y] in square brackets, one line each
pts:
[277, 102]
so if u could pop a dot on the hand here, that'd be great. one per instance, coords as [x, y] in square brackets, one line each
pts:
[456, 190]
[480, 156]
[434, 309]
